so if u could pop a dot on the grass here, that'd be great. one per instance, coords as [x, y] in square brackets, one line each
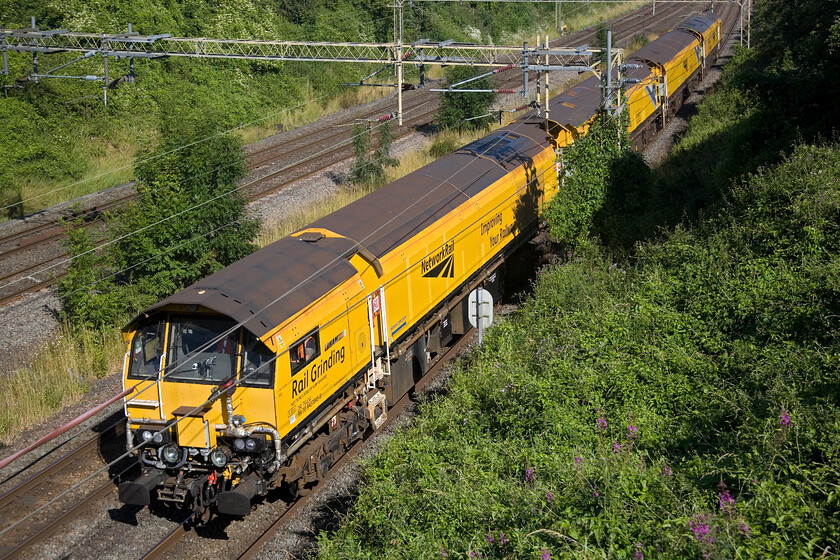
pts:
[275, 230]
[112, 162]
[583, 20]
[314, 108]
[58, 376]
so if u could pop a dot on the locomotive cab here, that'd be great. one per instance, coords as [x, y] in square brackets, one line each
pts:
[202, 450]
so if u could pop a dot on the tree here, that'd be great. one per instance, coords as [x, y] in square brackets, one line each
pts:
[592, 171]
[188, 222]
[369, 168]
[456, 108]
[87, 290]
[189, 217]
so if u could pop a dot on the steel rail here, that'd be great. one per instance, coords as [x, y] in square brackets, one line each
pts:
[38, 478]
[169, 541]
[40, 531]
[71, 513]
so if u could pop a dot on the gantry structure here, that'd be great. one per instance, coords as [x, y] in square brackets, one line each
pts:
[132, 45]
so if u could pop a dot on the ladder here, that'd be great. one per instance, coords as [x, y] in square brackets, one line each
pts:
[378, 369]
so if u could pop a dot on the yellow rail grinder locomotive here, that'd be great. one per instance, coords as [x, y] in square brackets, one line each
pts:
[264, 373]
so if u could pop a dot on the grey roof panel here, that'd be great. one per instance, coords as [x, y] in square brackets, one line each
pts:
[700, 22]
[391, 215]
[575, 106]
[665, 48]
[272, 284]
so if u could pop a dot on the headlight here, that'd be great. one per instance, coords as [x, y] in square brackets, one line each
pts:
[239, 445]
[219, 458]
[151, 436]
[250, 444]
[170, 453]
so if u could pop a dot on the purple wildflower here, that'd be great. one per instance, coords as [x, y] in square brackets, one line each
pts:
[549, 497]
[595, 492]
[743, 528]
[784, 419]
[601, 424]
[632, 432]
[617, 447]
[502, 538]
[637, 553]
[578, 462]
[443, 552]
[666, 470]
[701, 529]
[545, 554]
[489, 538]
[727, 502]
[530, 475]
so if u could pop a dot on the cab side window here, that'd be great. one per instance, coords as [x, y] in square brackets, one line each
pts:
[145, 353]
[304, 351]
[257, 363]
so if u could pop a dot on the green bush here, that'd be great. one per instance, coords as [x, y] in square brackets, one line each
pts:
[681, 407]
[443, 146]
[676, 401]
[602, 183]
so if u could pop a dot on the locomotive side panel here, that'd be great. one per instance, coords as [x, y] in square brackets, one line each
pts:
[643, 98]
[317, 360]
[711, 39]
[680, 68]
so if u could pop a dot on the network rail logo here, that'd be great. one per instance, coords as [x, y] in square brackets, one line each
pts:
[441, 264]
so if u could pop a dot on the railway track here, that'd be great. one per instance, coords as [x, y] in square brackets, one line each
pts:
[20, 533]
[32, 256]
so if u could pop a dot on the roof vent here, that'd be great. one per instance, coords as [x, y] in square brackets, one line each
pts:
[311, 236]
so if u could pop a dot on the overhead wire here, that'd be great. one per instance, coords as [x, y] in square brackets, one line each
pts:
[215, 340]
[204, 235]
[198, 237]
